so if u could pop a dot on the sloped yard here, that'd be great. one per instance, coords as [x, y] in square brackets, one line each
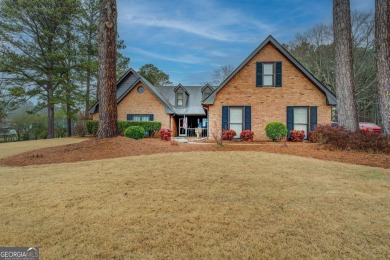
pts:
[93, 149]
[198, 205]
[12, 148]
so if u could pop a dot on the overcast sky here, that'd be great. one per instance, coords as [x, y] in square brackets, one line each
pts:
[188, 39]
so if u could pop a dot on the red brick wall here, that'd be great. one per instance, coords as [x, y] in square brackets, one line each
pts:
[268, 104]
[141, 103]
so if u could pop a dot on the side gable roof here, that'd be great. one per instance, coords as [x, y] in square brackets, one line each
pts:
[123, 90]
[330, 97]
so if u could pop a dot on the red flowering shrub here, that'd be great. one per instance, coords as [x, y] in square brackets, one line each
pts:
[312, 137]
[297, 135]
[247, 135]
[228, 134]
[165, 134]
[340, 138]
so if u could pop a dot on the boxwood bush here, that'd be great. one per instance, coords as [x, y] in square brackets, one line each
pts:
[92, 126]
[135, 132]
[148, 126]
[276, 131]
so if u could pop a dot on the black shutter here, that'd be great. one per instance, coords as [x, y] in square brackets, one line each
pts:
[130, 116]
[290, 120]
[259, 74]
[151, 117]
[278, 74]
[225, 117]
[313, 118]
[247, 125]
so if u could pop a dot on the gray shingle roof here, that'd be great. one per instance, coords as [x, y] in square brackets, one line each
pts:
[166, 95]
[194, 101]
[330, 97]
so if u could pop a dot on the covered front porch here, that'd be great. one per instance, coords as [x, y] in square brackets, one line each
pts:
[189, 126]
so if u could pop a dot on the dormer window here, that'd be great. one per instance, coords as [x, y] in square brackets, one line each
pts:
[181, 96]
[179, 99]
[206, 91]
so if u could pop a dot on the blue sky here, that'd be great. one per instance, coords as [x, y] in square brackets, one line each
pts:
[189, 39]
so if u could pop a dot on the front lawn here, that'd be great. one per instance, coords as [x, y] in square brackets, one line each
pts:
[197, 205]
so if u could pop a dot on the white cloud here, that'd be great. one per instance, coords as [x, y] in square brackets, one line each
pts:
[187, 58]
[192, 28]
[203, 19]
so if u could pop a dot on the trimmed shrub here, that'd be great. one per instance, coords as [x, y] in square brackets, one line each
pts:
[92, 126]
[80, 128]
[165, 134]
[247, 135]
[297, 135]
[228, 134]
[276, 131]
[312, 137]
[149, 126]
[135, 132]
[342, 139]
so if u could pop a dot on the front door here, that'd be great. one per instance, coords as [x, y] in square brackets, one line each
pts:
[183, 126]
[235, 120]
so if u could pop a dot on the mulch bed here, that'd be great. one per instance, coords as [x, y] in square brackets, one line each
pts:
[93, 149]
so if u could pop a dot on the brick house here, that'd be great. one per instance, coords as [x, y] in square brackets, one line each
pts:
[270, 85]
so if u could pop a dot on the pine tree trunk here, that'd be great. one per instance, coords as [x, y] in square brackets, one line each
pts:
[68, 117]
[69, 126]
[382, 42]
[346, 100]
[88, 92]
[107, 70]
[50, 110]
[89, 75]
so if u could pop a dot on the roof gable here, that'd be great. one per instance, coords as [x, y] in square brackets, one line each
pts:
[126, 83]
[180, 87]
[330, 97]
[207, 86]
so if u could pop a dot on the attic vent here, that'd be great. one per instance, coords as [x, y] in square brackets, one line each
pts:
[140, 89]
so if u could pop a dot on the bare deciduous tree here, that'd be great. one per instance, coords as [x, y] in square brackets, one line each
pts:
[221, 73]
[314, 49]
[382, 44]
[346, 101]
[108, 113]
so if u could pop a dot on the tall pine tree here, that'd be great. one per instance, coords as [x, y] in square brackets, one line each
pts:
[382, 43]
[346, 100]
[108, 113]
[33, 35]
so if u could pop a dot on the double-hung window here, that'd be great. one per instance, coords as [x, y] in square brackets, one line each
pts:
[269, 74]
[301, 118]
[179, 99]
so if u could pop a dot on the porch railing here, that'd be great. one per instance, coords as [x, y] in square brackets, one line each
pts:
[191, 132]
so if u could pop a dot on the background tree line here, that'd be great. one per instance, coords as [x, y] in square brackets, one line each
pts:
[314, 49]
[49, 52]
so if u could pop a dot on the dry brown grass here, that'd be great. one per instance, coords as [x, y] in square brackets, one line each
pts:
[12, 148]
[198, 205]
